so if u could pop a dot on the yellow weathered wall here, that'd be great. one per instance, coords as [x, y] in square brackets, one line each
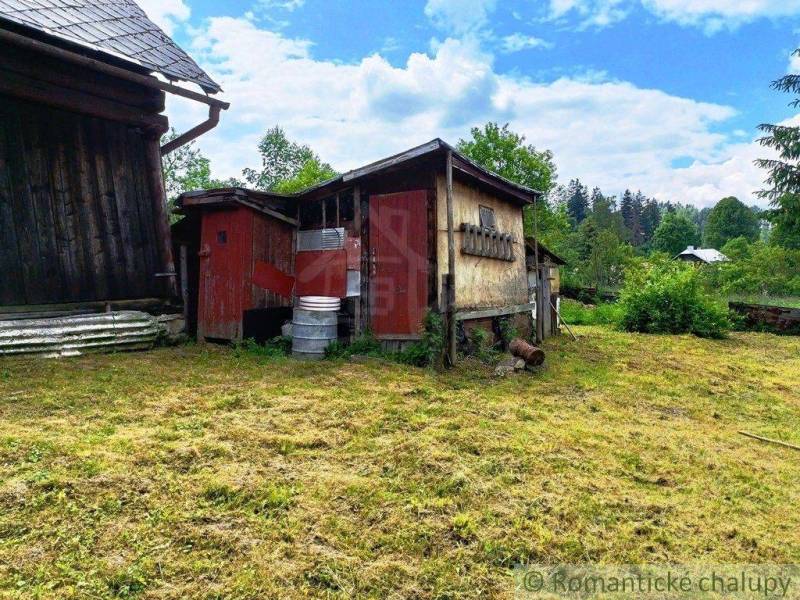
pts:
[481, 282]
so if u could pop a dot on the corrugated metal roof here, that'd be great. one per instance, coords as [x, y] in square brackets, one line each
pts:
[116, 27]
[707, 255]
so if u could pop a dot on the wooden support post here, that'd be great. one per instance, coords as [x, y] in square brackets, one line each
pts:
[158, 197]
[539, 279]
[357, 227]
[451, 265]
[184, 262]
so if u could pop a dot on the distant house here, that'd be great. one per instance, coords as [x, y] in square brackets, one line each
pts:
[84, 225]
[701, 255]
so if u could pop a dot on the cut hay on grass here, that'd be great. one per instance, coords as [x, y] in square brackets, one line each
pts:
[203, 472]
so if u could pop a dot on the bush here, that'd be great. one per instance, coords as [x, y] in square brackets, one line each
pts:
[430, 350]
[668, 298]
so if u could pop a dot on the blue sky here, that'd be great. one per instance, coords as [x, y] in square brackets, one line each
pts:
[662, 95]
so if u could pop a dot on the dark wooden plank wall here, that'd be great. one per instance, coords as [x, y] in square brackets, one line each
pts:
[76, 215]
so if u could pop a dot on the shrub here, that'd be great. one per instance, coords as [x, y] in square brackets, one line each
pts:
[430, 350]
[668, 298]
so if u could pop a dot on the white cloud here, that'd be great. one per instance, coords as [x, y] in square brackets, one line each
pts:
[165, 13]
[711, 15]
[794, 64]
[608, 133]
[460, 16]
[289, 5]
[518, 42]
[591, 13]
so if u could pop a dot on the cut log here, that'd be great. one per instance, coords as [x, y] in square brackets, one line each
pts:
[532, 355]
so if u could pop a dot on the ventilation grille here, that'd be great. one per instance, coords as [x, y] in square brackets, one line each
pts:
[321, 239]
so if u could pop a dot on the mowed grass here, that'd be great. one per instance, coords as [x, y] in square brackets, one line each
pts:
[200, 472]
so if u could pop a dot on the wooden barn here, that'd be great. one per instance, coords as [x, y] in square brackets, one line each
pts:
[84, 225]
[426, 229]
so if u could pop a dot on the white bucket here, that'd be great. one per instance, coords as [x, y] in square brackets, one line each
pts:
[319, 303]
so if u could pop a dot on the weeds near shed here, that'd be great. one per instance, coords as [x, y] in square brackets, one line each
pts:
[278, 347]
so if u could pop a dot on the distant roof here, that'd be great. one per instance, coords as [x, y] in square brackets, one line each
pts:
[118, 28]
[437, 146]
[706, 255]
[544, 252]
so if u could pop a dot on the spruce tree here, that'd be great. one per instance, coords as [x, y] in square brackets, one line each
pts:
[577, 201]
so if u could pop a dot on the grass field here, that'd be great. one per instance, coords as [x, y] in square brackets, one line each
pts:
[205, 472]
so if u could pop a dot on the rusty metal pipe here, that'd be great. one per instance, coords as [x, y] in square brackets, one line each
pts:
[194, 132]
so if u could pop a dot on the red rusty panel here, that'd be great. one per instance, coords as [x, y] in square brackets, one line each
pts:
[225, 259]
[352, 245]
[268, 277]
[398, 238]
[321, 273]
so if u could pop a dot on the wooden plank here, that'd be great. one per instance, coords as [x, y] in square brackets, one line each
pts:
[91, 221]
[63, 74]
[451, 265]
[146, 230]
[48, 226]
[73, 265]
[21, 86]
[126, 201]
[13, 288]
[22, 208]
[468, 315]
[160, 214]
[357, 324]
[119, 283]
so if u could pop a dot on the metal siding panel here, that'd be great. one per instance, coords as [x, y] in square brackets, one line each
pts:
[321, 273]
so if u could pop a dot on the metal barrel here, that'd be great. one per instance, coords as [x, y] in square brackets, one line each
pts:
[312, 332]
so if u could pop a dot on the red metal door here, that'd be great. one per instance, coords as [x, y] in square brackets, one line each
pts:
[398, 238]
[225, 256]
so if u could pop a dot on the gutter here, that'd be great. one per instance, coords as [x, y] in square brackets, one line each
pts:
[194, 133]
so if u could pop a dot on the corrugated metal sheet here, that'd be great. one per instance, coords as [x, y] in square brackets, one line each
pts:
[72, 336]
[117, 27]
[321, 239]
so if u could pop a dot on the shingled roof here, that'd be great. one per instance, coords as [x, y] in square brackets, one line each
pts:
[116, 27]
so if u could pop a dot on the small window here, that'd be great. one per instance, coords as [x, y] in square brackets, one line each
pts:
[487, 218]
[222, 237]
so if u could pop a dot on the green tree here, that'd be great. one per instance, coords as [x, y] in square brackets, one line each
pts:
[283, 160]
[577, 201]
[187, 170]
[784, 171]
[674, 234]
[504, 152]
[737, 249]
[730, 219]
[311, 173]
[785, 219]
[651, 218]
